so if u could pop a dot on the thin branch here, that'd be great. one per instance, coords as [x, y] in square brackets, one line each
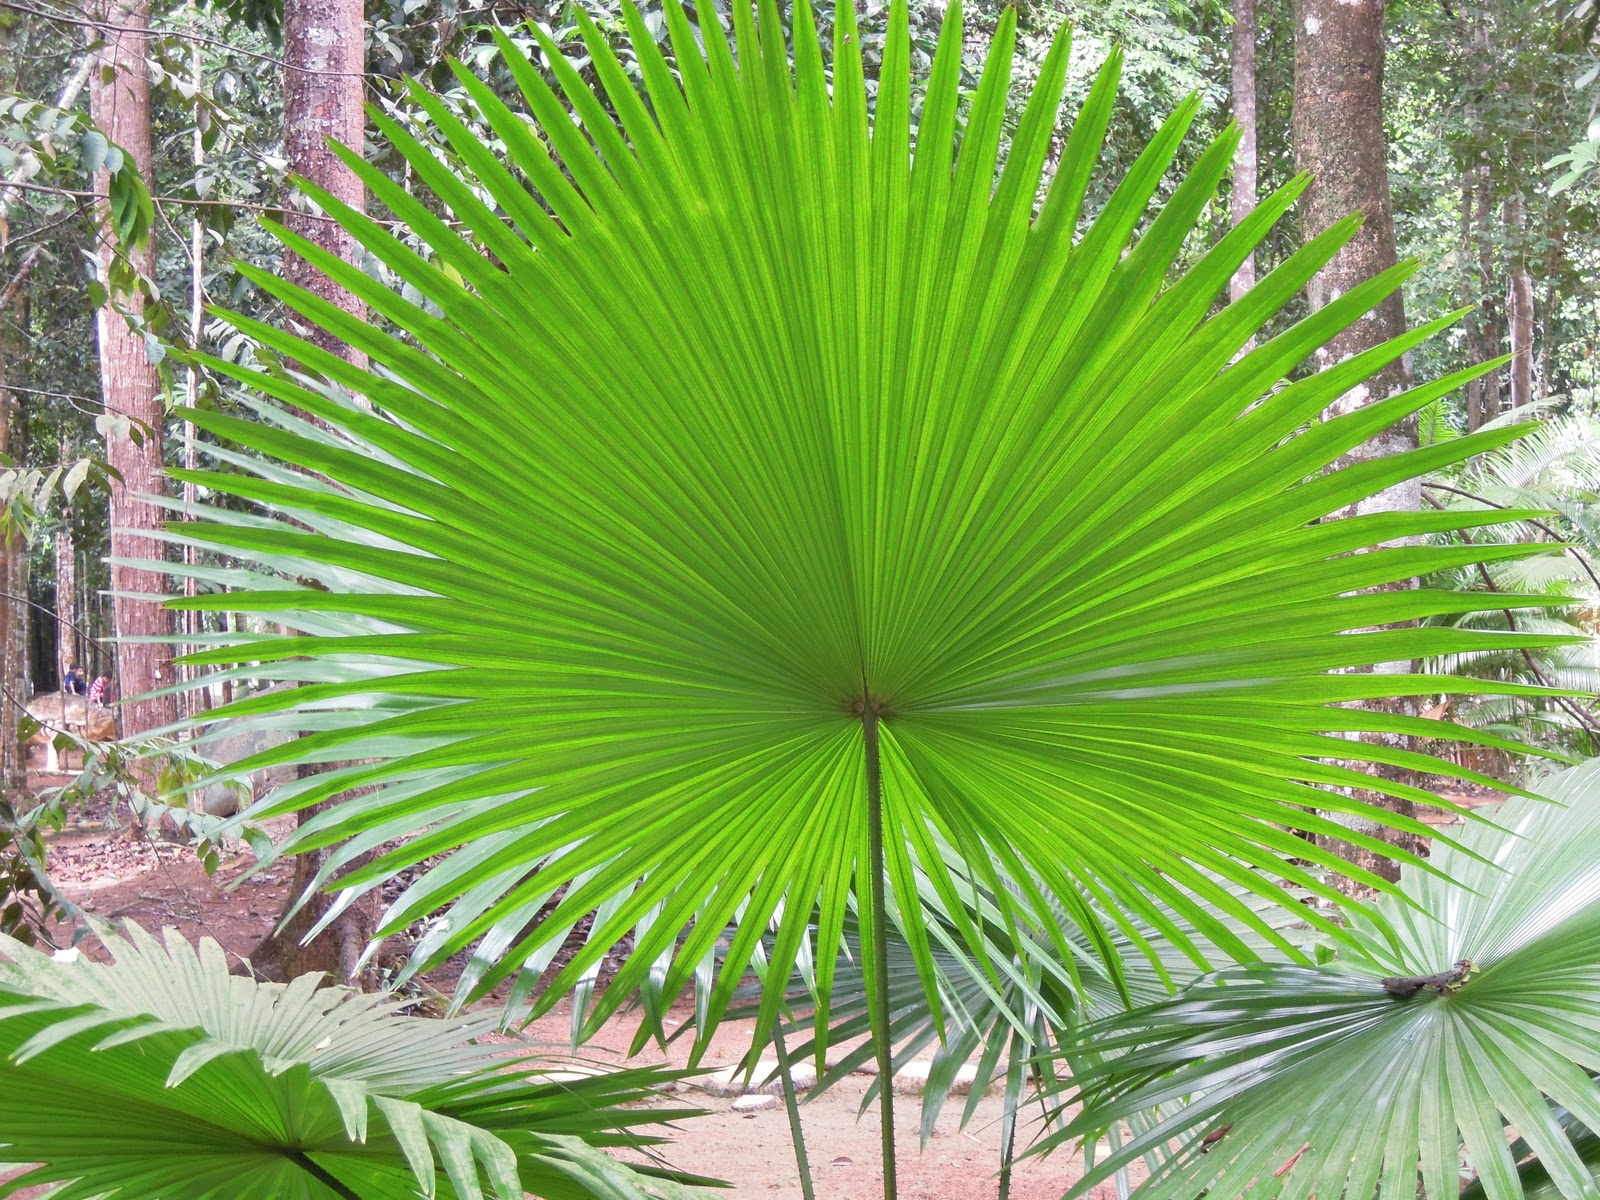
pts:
[24, 269]
[76, 194]
[48, 227]
[283, 210]
[49, 612]
[1539, 525]
[1563, 702]
[79, 400]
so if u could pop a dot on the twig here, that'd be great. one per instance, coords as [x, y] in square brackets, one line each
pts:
[75, 193]
[1537, 524]
[281, 210]
[1562, 702]
[49, 612]
[24, 269]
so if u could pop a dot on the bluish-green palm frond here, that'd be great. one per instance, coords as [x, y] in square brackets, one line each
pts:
[997, 1027]
[161, 1074]
[1475, 1009]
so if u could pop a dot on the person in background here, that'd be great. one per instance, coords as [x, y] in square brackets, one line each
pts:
[74, 682]
[100, 690]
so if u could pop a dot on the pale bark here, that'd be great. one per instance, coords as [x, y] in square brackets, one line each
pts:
[1519, 302]
[1474, 333]
[1339, 138]
[193, 621]
[119, 101]
[1243, 199]
[68, 647]
[1486, 291]
[1547, 341]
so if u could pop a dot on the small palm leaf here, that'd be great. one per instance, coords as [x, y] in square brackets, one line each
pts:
[1473, 1006]
[161, 1074]
[1026, 1001]
[739, 452]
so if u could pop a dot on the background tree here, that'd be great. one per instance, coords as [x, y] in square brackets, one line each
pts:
[1339, 138]
[324, 60]
[119, 101]
[1243, 195]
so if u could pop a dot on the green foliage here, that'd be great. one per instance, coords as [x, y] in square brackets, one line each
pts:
[1472, 1003]
[1556, 469]
[29, 903]
[164, 1074]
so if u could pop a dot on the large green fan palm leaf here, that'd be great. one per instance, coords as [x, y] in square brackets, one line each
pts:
[733, 455]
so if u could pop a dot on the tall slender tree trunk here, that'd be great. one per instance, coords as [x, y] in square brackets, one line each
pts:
[1474, 333]
[1552, 292]
[1519, 301]
[194, 622]
[119, 101]
[1339, 138]
[1243, 200]
[1487, 289]
[68, 651]
[13, 555]
[324, 60]
[324, 64]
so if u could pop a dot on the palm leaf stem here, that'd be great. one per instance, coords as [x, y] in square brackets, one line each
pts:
[326, 1178]
[791, 1104]
[1008, 1118]
[878, 994]
[1572, 709]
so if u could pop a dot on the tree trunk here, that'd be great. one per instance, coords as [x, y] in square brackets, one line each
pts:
[13, 559]
[1243, 200]
[1519, 302]
[324, 60]
[119, 101]
[68, 651]
[192, 622]
[324, 63]
[1475, 352]
[1339, 137]
[1552, 293]
[1487, 289]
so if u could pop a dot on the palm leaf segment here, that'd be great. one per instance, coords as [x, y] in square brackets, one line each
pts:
[1354, 1078]
[162, 1074]
[729, 422]
[1004, 1021]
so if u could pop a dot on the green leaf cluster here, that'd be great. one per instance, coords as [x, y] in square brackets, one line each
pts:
[163, 1074]
[1468, 1006]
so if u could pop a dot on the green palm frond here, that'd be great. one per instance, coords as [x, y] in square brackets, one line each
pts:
[1473, 1007]
[1001, 1022]
[1561, 455]
[739, 453]
[161, 1074]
